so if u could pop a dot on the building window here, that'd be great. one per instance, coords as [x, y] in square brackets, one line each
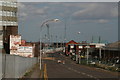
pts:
[4, 13]
[0, 23]
[0, 3]
[8, 3]
[8, 13]
[15, 4]
[0, 13]
[4, 3]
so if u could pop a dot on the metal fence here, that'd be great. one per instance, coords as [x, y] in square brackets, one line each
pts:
[12, 66]
[0, 65]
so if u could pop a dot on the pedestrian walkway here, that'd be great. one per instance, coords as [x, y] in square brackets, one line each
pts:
[34, 73]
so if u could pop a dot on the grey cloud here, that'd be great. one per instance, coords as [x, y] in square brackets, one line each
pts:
[21, 13]
[103, 21]
[25, 10]
[95, 21]
[68, 0]
[96, 11]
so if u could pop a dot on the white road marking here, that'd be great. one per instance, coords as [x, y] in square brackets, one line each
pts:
[83, 73]
[80, 72]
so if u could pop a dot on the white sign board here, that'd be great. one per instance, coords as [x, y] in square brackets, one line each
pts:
[80, 46]
[87, 46]
[71, 51]
[26, 49]
[71, 46]
[1, 44]
[79, 50]
[20, 49]
[15, 41]
[98, 45]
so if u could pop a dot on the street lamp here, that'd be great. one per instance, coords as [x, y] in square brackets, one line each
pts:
[79, 32]
[52, 20]
[46, 23]
[79, 53]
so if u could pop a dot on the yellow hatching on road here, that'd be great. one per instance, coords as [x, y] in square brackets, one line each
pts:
[45, 72]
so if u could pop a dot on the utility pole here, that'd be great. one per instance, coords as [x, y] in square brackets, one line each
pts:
[51, 42]
[56, 42]
[99, 40]
[87, 52]
[45, 40]
[87, 55]
[100, 53]
[48, 34]
[65, 32]
[64, 42]
[92, 39]
[40, 57]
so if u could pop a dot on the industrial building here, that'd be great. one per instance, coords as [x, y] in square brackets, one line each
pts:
[74, 47]
[8, 23]
[83, 50]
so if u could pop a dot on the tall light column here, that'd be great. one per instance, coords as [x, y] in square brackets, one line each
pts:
[52, 20]
[79, 57]
[87, 52]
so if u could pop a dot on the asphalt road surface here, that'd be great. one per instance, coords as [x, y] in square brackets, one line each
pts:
[75, 71]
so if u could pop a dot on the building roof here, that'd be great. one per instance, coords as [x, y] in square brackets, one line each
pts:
[71, 42]
[114, 45]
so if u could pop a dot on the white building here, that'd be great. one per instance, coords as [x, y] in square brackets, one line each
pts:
[8, 21]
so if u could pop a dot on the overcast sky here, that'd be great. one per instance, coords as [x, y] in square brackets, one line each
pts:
[89, 18]
[67, 0]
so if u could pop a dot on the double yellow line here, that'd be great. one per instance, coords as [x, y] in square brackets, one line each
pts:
[45, 72]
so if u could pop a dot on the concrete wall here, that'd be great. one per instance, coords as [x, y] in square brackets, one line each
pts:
[15, 66]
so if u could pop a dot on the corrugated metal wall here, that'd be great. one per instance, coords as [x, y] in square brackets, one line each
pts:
[12, 66]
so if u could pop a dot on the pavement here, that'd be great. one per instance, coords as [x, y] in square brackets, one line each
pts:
[36, 73]
[33, 74]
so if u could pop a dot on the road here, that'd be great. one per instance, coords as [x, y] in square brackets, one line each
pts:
[72, 70]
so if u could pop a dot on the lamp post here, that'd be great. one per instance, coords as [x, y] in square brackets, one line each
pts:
[78, 34]
[100, 56]
[52, 20]
[87, 47]
[56, 43]
[79, 61]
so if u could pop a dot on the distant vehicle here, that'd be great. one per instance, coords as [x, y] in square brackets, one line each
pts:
[63, 62]
[59, 61]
